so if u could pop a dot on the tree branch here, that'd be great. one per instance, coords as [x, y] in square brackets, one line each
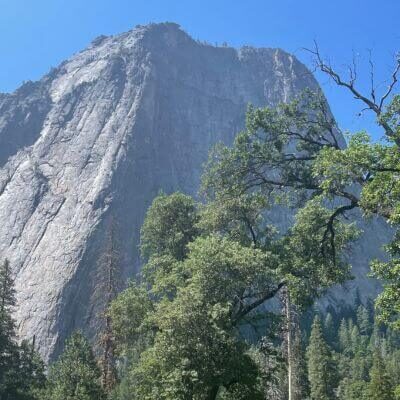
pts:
[252, 306]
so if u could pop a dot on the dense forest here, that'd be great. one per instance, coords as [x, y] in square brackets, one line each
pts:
[226, 304]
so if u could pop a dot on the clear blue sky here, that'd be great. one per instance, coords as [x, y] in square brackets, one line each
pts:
[38, 34]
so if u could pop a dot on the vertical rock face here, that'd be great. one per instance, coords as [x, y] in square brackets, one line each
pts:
[101, 135]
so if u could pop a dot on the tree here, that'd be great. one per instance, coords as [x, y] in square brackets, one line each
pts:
[300, 142]
[321, 372]
[380, 387]
[329, 329]
[107, 288]
[75, 375]
[169, 226]
[216, 266]
[376, 169]
[364, 320]
[194, 349]
[21, 369]
[8, 348]
[30, 376]
[350, 389]
[299, 367]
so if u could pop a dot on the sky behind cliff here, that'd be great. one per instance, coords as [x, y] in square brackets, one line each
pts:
[36, 35]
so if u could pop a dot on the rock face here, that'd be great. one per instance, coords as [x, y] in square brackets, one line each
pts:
[101, 135]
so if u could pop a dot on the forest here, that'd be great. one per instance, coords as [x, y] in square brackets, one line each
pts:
[226, 305]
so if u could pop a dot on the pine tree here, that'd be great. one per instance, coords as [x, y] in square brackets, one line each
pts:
[355, 340]
[300, 381]
[329, 328]
[8, 348]
[380, 387]
[30, 376]
[75, 375]
[107, 289]
[344, 338]
[321, 373]
[21, 369]
[350, 389]
[364, 321]
[7, 303]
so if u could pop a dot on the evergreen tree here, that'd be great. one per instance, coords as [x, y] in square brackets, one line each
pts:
[344, 338]
[321, 373]
[29, 378]
[380, 387]
[329, 329]
[75, 375]
[21, 369]
[300, 381]
[350, 389]
[364, 320]
[8, 349]
[107, 288]
[355, 340]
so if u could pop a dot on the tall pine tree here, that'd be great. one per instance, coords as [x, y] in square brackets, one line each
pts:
[8, 349]
[21, 369]
[380, 386]
[321, 372]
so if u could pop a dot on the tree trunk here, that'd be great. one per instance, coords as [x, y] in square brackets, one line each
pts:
[213, 393]
[288, 315]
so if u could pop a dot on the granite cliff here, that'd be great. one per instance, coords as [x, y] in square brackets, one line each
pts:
[100, 135]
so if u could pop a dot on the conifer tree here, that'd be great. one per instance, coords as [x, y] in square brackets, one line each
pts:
[329, 328]
[320, 365]
[344, 338]
[21, 369]
[300, 381]
[75, 375]
[30, 374]
[364, 321]
[8, 349]
[108, 285]
[380, 387]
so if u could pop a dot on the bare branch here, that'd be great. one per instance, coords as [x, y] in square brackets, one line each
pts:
[371, 103]
[392, 84]
[253, 305]
[326, 68]
[372, 75]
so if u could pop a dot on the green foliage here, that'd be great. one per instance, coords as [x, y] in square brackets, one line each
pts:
[192, 345]
[209, 271]
[291, 155]
[367, 357]
[212, 267]
[375, 168]
[129, 312]
[306, 256]
[380, 387]
[75, 375]
[21, 369]
[321, 371]
[8, 348]
[169, 227]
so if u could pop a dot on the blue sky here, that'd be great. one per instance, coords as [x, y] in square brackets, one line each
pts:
[36, 35]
